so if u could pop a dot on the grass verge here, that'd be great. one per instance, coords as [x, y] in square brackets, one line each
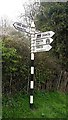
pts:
[46, 105]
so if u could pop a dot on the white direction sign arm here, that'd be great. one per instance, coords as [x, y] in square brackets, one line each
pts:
[21, 27]
[44, 34]
[41, 48]
[38, 42]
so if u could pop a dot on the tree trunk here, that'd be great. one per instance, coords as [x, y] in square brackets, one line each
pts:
[59, 80]
[28, 85]
[10, 83]
[64, 81]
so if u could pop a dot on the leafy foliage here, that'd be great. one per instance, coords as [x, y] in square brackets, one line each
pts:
[51, 71]
[55, 19]
[15, 65]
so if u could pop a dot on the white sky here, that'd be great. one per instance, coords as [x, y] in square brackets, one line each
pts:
[11, 8]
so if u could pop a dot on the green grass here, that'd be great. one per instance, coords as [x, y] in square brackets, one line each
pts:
[46, 105]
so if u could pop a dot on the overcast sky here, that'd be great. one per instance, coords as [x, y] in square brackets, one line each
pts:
[11, 8]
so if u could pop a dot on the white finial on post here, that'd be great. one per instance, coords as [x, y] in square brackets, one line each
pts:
[32, 24]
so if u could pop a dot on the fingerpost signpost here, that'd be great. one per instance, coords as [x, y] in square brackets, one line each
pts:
[39, 42]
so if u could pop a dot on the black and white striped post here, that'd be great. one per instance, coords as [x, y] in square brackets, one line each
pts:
[32, 66]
